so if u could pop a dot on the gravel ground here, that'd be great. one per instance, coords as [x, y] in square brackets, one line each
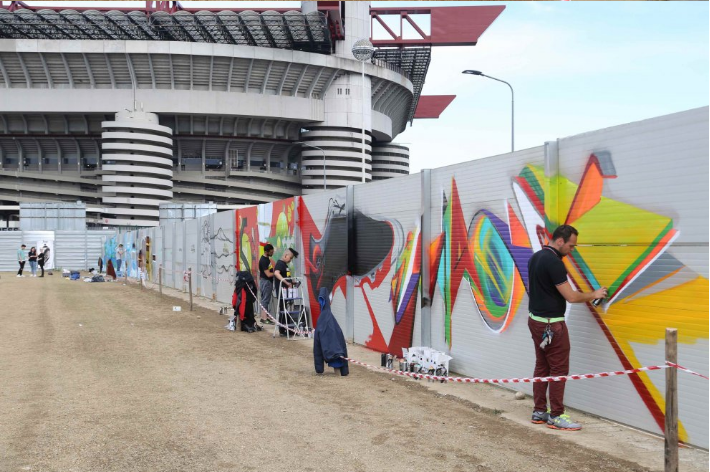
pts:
[106, 377]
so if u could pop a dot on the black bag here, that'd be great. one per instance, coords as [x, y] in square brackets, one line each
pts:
[245, 296]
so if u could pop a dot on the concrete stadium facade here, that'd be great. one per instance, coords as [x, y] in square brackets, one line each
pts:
[125, 124]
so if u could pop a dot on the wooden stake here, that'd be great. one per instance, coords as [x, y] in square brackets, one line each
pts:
[189, 284]
[671, 444]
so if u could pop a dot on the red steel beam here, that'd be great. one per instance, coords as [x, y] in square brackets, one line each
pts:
[12, 6]
[450, 26]
[431, 106]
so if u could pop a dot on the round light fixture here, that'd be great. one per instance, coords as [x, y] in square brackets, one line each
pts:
[363, 50]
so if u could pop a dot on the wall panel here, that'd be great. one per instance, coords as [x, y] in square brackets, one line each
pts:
[388, 243]
[10, 242]
[169, 254]
[224, 256]
[191, 251]
[322, 223]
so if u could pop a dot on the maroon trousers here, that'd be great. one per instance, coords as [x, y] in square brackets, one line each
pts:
[551, 361]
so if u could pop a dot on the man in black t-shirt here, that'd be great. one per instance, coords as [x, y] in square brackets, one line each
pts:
[549, 292]
[282, 274]
[281, 271]
[266, 284]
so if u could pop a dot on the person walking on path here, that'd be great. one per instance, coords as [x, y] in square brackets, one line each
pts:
[21, 259]
[266, 281]
[549, 290]
[120, 252]
[32, 256]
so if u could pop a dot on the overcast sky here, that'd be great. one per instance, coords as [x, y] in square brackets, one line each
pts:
[574, 66]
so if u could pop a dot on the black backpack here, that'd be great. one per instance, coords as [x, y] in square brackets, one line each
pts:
[244, 283]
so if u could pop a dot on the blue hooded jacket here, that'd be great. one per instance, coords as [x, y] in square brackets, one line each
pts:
[328, 340]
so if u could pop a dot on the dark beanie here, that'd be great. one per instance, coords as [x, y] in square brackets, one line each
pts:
[293, 251]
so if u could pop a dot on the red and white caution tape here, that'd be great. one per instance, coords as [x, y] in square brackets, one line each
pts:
[309, 333]
[513, 380]
[685, 369]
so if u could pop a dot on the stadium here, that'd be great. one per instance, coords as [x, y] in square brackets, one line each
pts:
[124, 109]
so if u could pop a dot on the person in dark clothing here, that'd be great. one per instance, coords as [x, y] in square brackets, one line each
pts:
[281, 272]
[245, 288]
[32, 255]
[266, 282]
[282, 279]
[328, 340]
[41, 259]
[101, 265]
[549, 290]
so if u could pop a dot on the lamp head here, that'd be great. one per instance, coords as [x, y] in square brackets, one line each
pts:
[473, 72]
[363, 50]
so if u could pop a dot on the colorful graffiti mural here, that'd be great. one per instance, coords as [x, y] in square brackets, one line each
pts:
[483, 237]
[492, 256]
[325, 253]
[277, 224]
[404, 292]
[247, 240]
[110, 246]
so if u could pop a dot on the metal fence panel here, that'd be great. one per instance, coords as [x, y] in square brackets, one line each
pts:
[224, 256]
[10, 242]
[95, 246]
[70, 250]
[191, 237]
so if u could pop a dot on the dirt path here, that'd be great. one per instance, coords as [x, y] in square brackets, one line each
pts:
[106, 377]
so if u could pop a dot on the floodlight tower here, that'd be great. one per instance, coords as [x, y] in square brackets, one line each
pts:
[363, 51]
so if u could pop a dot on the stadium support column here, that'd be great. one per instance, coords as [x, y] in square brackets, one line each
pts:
[348, 106]
[389, 160]
[137, 168]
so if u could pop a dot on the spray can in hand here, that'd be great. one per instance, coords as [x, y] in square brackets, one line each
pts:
[598, 301]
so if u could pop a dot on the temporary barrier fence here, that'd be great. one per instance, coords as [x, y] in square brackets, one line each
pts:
[440, 259]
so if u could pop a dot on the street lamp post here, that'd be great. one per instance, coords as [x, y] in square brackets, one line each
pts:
[363, 51]
[512, 104]
[321, 150]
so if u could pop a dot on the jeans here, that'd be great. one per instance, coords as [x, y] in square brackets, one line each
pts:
[33, 267]
[266, 287]
[118, 266]
[41, 266]
[22, 266]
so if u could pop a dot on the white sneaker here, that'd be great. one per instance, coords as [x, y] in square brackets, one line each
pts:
[19, 275]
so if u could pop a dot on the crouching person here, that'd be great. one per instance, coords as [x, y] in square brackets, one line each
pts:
[245, 296]
[328, 340]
